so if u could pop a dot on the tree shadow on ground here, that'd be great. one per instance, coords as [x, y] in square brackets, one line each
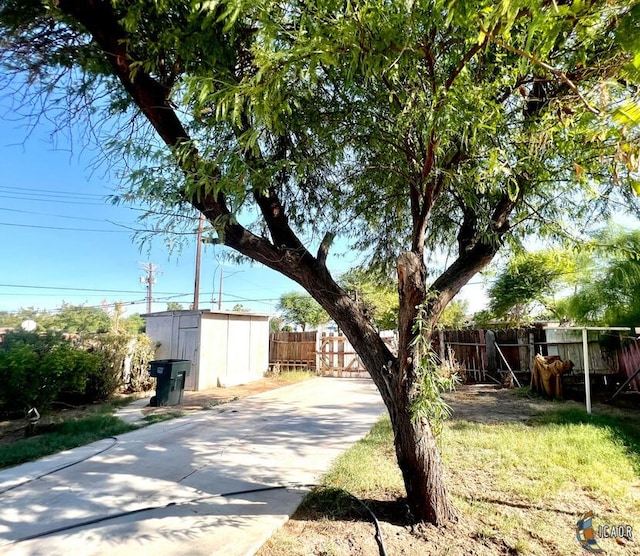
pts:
[338, 504]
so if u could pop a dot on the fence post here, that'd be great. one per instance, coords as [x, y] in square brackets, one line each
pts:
[318, 355]
[492, 354]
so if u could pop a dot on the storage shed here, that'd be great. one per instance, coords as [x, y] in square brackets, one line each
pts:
[225, 348]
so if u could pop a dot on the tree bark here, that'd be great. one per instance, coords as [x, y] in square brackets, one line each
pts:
[416, 448]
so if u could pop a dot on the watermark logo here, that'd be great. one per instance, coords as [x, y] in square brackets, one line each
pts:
[588, 539]
[585, 534]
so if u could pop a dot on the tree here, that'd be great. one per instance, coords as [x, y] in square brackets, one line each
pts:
[78, 318]
[530, 283]
[174, 306]
[240, 308]
[422, 131]
[301, 310]
[134, 324]
[609, 294]
[376, 296]
[455, 315]
[276, 324]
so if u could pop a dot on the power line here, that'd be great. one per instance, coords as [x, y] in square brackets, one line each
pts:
[51, 200]
[51, 191]
[66, 288]
[55, 215]
[61, 228]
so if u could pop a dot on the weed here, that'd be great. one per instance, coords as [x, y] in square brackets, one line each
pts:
[160, 417]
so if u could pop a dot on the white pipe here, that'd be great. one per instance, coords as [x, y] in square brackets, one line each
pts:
[587, 382]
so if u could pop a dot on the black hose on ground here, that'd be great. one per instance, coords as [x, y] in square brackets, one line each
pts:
[378, 535]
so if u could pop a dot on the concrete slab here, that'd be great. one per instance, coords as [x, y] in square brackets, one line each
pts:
[215, 482]
[132, 413]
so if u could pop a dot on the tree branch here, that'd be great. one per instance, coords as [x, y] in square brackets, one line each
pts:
[323, 250]
[558, 73]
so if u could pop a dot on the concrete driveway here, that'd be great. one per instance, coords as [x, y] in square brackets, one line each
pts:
[215, 482]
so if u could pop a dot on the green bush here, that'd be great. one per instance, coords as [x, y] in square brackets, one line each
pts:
[36, 369]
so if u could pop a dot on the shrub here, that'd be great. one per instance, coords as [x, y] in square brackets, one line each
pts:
[124, 363]
[35, 369]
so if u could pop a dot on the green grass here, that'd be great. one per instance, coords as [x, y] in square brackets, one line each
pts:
[381, 471]
[62, 436]
[528, 482]
[523, 485]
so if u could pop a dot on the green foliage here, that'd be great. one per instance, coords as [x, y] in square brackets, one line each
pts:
[78, 318]
[38, 369]
[302, 310]
[35, 370]
[276, 324]
[455, 315]
[63, 436]
[142, 353]
[610, 295]
[174, 306]
[432, 379]
[376, 295]
[604, 277]
[124, 363]
[531, 278]
[133, 324]
[240, 308]
[67, 318]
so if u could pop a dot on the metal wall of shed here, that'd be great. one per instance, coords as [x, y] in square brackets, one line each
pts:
[245, 341]
[225, 348]
[214, 350]
[160, 330]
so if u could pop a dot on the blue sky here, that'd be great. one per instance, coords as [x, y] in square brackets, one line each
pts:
[63, 241]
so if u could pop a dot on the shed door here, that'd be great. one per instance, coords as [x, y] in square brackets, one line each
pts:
[188, 349]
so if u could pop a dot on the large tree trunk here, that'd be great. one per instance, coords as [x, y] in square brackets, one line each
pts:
[415, 444]
[422, 469]
[416, 448]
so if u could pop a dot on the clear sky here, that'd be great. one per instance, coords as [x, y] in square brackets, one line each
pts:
[62, 241]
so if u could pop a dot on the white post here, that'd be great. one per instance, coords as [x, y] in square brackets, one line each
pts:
[587, 382]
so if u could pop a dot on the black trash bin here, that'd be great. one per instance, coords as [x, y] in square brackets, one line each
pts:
[171, 375]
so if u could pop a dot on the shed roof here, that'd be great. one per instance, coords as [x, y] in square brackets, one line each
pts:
[205, 313]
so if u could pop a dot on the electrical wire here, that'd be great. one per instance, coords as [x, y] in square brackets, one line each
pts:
[378, 536]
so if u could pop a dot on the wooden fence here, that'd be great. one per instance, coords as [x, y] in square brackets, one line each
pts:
[293, 350]
[485, 355]
[629, 360]
[327, 353]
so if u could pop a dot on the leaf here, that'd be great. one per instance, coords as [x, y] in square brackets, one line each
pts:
[627, 114]
[579, 170]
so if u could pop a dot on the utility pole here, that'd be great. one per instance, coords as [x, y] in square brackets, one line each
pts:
[220, 291]
[196, 288]
[149, 280]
